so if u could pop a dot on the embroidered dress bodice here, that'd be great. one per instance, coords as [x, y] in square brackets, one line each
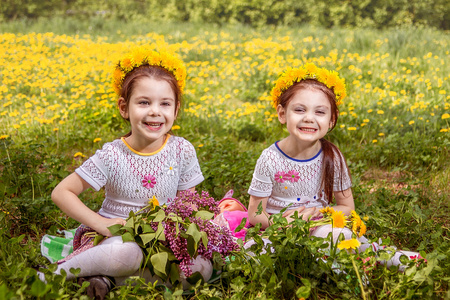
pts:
[131, 178]
[288, 181]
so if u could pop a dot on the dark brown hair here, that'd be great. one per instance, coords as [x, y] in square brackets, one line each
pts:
[154, 72]
[331, 153]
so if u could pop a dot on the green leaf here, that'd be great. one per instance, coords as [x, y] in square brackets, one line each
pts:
[159, 262]
[194, 232]
[130, 222]
[194, 278]
[160, 233]
[147, 237]
[204, 214]
[98, 238]
[38, 288]
[146, 228]
[115, 229]
[159, 216]
[204, 239]
[127, 237]
[174, 273]
[241, 225]
[191, 246]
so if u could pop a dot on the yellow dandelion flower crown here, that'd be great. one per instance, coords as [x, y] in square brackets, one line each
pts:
[309, 71]
[141, 57]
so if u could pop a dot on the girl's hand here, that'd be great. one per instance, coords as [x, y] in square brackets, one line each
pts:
[102, 227]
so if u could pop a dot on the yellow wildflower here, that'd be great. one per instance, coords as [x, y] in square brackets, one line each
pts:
[349, 244]
[326, 211]
[338, 219]
[154, 201]
[78, 154]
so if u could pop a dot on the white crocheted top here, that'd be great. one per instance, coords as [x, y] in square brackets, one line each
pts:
[131, 178]
[286, 180]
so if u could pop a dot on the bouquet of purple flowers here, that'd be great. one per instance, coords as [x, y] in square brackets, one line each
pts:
[174, 234]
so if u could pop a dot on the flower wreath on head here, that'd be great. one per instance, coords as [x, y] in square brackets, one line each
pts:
[141, 57]
[309, 71]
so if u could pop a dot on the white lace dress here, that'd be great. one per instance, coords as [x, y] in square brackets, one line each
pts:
[131, 178]
[288, 181]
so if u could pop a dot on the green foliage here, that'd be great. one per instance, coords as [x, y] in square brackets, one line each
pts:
[361, 13]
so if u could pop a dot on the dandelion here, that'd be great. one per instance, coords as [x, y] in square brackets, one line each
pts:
[349, 244]
[351, 128]
[381, 134]
[201, 145]
[380, 112]
[445, 116]
[97, 140]
[78, 154]
[3, 137]
[154, 201]
[338, 219]
[374, 141]
[175, 127]
[411, 122]
[326, 211]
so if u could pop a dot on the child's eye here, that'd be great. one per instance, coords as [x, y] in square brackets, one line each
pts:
[165, 103]
[320, 112]
[143, 102]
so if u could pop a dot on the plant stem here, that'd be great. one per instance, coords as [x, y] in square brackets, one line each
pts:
[359, 279]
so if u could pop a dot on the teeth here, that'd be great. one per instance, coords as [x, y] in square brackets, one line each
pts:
[308, 129]
[154, 124]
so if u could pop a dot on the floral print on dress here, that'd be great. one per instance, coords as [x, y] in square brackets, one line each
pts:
[149, 181]
[280, 176]
[292, 176]
[171, 168]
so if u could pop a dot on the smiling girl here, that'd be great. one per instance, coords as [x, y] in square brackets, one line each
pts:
[147, 163]
[303, 171]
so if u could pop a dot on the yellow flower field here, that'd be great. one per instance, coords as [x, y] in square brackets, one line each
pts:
[47, 78]
[57, 89]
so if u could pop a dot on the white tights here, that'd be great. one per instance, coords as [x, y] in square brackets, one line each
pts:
[112, 258]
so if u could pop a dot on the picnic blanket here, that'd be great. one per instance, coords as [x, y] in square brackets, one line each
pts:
[55, 248]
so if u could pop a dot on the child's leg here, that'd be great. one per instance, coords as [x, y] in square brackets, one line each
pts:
[112, 257]
[324, 230]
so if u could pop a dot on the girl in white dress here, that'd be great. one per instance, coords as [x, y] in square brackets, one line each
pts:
[304, 172]
[148, 162]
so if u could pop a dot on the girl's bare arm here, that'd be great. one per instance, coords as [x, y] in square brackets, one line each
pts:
[255, 218]
[65, 196]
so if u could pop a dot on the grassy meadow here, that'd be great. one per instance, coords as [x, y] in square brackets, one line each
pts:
[57, 107]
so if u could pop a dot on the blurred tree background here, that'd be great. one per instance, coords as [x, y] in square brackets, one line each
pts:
[325, 13]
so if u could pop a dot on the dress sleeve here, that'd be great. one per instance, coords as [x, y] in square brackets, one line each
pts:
[93, 171]
[262, 184]
[190, 173]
